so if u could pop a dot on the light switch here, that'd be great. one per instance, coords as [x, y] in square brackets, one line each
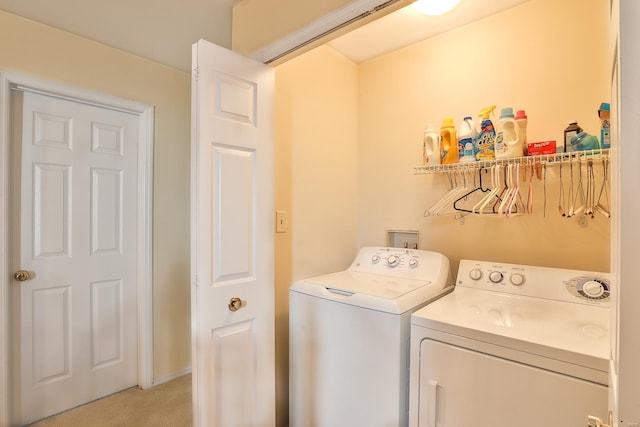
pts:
[281, 222]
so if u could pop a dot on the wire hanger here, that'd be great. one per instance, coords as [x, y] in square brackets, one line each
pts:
[465, 197]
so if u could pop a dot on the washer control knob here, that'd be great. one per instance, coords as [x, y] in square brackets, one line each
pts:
[475, 274]
[413, 263]
[496, 276]
[516, 279]
[393, 260]
[375, 259]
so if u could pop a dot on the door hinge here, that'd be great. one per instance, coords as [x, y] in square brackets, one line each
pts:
[195, 281]
[196, 73]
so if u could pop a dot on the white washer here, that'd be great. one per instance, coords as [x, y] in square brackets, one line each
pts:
[512, 345]
[349, 337]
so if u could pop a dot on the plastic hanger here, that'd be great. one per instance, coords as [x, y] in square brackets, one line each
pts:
[579, 193]
[452, 186]
[590, 199]
[561, 195]
[570, 200]
[604, 209]
[459, 186]
[529, 207]
[496, 173]
[505, 197]
[511, 207]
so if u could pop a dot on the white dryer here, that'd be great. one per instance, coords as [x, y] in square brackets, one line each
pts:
[349, 337]
[512, 345]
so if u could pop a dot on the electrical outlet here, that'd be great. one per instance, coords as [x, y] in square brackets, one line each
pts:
[282, 222]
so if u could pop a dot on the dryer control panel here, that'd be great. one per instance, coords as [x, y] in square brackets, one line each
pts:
[559, 284]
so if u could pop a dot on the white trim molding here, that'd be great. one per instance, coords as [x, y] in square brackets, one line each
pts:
[5, 404]
[329, 24]
[8, 81]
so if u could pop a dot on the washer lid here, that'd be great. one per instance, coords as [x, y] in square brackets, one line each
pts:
[384, 293]
[575, 333]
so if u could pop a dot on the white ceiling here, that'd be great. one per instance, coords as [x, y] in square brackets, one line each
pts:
[164, 30]
[406, 26]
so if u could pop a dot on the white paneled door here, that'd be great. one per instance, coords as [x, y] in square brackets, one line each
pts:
[74, 205]
[232, 224]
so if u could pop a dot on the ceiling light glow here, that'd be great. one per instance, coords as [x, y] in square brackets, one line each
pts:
[435, 7]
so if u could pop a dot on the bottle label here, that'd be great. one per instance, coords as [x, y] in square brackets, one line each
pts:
[605, 138]
[465, 149]
[499, 143]
[428, 150]
[567, 138]
[484, 145]
[448, 149]
[487, 126]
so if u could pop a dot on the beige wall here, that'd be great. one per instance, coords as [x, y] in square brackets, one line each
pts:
[316, 179]
[47, 53]
[529, 57]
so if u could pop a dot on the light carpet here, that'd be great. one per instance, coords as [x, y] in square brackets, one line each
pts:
[165, 405]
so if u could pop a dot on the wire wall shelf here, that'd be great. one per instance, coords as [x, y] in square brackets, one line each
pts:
[550, 159]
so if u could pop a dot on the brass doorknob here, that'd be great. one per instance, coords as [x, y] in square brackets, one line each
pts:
[21, 275]
[235, 304]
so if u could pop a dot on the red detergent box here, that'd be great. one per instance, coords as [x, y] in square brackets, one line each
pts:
[543, 147]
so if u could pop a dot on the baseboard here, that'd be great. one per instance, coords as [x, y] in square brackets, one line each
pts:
[173, 376]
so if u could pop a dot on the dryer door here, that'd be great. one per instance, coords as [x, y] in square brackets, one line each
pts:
[461, 387]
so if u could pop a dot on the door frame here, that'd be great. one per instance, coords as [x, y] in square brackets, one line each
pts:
[144, 262]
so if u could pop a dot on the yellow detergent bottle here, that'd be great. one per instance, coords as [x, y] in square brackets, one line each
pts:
[448, 142]
[484, 144]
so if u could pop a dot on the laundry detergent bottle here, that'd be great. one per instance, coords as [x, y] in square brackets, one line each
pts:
[430, 146]
[521, 119]
[448, 142]
[467, 133]
[508, 139]
[484, 144]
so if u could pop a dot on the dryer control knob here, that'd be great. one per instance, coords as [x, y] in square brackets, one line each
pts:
[413, 263]
[516, 279]
[594, 289]
[475, 274]
[393, 260]
[375, 259]
[496, 276]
